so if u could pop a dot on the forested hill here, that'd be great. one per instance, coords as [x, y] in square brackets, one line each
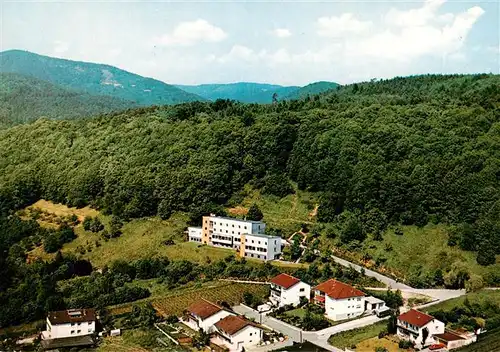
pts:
[310, 90]
[245, 92]
[95, 79]
[24, 99]
[409, 150]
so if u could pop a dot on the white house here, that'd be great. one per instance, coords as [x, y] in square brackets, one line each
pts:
[340, 300]
[455, 339]
[236, 332]
[246, 237]
[203, 315]
[70, 323]
[419, 328]
[286, 289]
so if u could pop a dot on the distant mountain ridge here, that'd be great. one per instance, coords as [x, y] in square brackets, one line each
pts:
[311, 89]
[246, 92]
[249, 92]
[97, 79]
[24, 99]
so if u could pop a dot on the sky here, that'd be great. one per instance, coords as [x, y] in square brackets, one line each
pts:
[280, 42]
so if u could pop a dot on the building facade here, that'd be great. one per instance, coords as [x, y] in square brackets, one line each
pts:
[340, 300]
[203, 315]
[70, 323]
[286, 289]
[237, 333]
[246, 237]
[419, 328]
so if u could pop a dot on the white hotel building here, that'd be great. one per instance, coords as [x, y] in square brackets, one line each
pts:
[244, 236]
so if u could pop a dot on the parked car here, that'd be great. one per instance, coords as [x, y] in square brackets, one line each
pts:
[437, 346]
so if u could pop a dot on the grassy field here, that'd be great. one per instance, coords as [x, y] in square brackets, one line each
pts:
[492, 296]
[418, 250]
[299, 312]
[141, 238]
[169, 302]
[488, 342]
[137, 340]
[354, 337]
[374, 342]
[287, 213]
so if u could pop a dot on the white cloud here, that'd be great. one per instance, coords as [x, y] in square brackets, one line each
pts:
[189, 33]
[237, 53]
[414, 17]
[60, 47]
[282, 32]
[338, 26]
[413, 41]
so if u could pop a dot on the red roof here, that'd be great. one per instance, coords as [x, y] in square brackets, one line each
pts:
[232, 324]
[285, 280]
[338, 290]
[448, 336]
[203, 309]
[414, 317]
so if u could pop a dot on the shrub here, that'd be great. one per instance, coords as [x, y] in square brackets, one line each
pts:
[405, 344]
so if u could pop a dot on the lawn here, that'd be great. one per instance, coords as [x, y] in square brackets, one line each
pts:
[137, 340]
[287, 213]
[299, 312]
[354, 337]
[416, 252]
[372, 343]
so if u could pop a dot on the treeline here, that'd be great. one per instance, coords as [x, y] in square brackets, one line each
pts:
[407, 150]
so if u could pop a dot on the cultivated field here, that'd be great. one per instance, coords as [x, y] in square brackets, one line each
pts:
[176, 301]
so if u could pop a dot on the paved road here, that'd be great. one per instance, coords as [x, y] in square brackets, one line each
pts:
[438, 294]
[386, 280]
[319, 338]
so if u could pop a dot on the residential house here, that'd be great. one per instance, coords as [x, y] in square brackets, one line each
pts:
[419, 328]
[237, 333]
[70, 323]
[286, 289]
[204, 314]
[246, 237]
[341, 301]
[69, 328]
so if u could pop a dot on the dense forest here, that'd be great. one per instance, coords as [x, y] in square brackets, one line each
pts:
[402, 151]
[95, 79]
[24, 99]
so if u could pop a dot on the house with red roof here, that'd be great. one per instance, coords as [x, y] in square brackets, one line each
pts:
[420, 328]
[204, 315]
[237, 333]
[341, 301]
[286, 289]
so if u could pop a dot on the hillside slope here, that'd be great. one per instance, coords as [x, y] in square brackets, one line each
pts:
[245, 92]
[310, 90]
[24, 99]
[94, 78]
[406, 151]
